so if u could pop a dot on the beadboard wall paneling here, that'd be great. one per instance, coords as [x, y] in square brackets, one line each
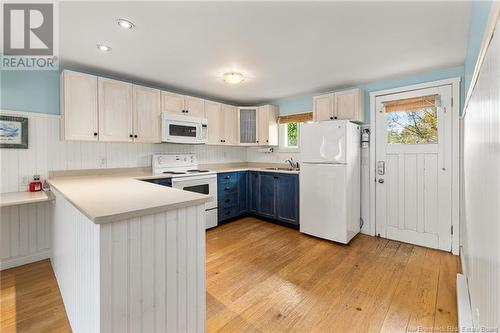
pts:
[481, 228]
[46, 152]
[75, 260]
[144, 274]
[25, 234]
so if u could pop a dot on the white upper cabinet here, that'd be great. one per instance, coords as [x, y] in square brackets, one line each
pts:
[347, 104]
[267, 129]
[247, 129]
[229, 128]
[195, 107]
[184, 105]
[172, 103]
[215, 119]
[79, 118]
[115, 110]
[146, 112]
[323, 107]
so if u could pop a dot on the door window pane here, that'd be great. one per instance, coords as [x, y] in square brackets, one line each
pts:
[418, 126]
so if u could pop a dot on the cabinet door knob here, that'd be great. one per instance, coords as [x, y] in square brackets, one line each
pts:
[257, 141]
[331, 118]
[131, 136]
[95, 133]
[226, 189]
[335, 117]
[227, 200]
[135, 136]
[227, 177]
[267, 140]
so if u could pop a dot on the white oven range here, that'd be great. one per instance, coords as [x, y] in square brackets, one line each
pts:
[183, 168]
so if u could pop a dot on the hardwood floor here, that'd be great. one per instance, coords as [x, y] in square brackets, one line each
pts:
[263, 277]
[30, 300]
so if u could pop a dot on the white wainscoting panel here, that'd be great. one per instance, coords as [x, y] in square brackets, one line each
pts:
[25, 234]
[75, 260]
[481, 227]
[144, 274]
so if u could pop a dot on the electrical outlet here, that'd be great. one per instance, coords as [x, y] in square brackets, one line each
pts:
[25, 180]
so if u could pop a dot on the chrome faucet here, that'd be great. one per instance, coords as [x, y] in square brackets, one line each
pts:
[293, 164]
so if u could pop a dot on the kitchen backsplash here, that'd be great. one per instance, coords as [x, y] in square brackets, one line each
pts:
[46, 152]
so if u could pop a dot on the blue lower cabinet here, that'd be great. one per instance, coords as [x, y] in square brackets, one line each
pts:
[267, 199]
[227, 213]
[253, 193]
[267, 194]
[242, 192]
[287, 198]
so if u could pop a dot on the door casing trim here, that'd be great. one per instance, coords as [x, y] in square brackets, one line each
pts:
[455, 159]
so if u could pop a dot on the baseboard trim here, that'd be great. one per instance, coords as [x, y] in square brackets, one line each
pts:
[463, 304]
[19, 261]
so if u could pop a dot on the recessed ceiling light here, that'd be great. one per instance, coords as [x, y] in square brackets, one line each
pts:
[125, 24]
[233, 77]
[103, 48]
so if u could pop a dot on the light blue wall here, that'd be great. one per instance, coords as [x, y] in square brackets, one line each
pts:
[32, 91]
[479, 18]
[303, 103]
[38, 91]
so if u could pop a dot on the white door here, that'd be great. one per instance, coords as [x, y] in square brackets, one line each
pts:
[146, 114]
[413, 167]
[115, 110]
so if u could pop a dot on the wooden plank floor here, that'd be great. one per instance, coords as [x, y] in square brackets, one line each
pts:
[30, 300]
[266, 278]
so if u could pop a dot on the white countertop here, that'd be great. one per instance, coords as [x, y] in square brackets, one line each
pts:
[110, 198]
[111, 195]
[22, 198]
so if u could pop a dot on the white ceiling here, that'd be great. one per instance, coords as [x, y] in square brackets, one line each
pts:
[285, 48]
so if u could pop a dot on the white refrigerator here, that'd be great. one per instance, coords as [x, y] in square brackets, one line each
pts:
[330, 180]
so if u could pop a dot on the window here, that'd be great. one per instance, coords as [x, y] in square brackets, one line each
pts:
[289, 135]
[412, 121]
[290, 129]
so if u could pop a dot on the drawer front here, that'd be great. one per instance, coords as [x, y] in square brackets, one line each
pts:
[225, 188]
[227, 178]
[227, 213]
[227, 200]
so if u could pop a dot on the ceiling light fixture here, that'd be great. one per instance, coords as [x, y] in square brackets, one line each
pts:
[233, 77]
[125, 24]
[103, 48]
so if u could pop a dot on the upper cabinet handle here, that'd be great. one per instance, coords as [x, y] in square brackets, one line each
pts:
[95, 133]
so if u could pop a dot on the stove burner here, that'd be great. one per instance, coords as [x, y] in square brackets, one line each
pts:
[174, 172]
[196, 171]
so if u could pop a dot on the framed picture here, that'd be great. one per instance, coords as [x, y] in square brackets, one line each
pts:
[13, 132]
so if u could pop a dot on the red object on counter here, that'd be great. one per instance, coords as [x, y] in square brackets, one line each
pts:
[36, 184]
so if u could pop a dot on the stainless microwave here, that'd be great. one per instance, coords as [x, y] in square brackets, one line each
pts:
[183, 129]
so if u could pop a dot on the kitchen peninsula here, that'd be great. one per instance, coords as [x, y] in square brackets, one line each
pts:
[129, 255]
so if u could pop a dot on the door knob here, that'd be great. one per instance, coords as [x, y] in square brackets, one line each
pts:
[381, 180]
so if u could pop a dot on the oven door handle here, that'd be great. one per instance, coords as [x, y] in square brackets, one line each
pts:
[178, 180]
